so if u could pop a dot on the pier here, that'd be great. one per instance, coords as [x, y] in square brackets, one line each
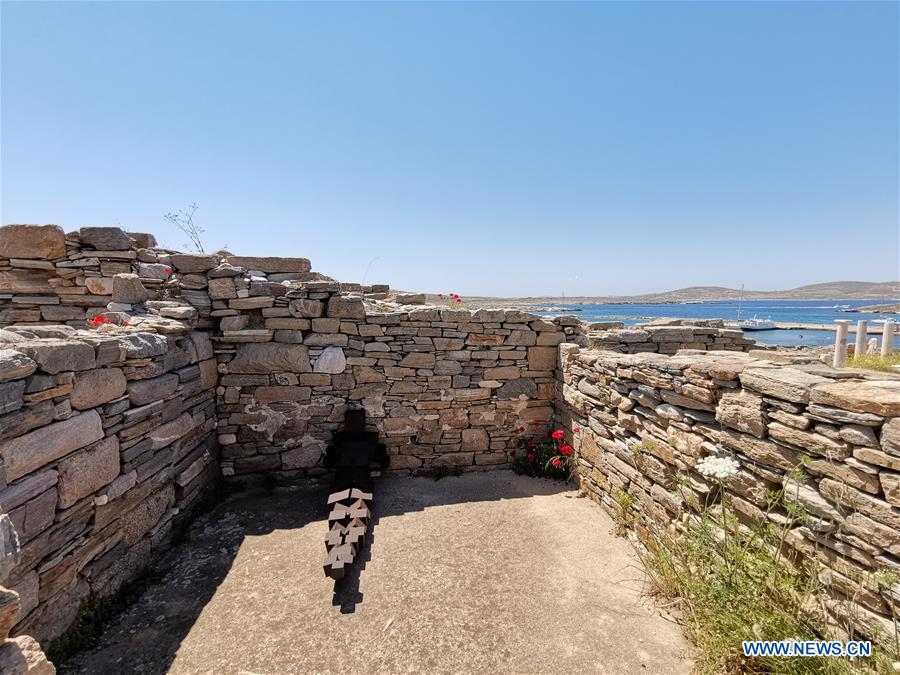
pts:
[872, 329]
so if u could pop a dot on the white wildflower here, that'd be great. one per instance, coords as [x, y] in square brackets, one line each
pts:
[717, 467]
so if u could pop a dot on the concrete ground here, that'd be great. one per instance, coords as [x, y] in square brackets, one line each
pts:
[484, 573]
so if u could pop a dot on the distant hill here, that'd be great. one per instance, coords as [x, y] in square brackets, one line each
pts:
[833, 290]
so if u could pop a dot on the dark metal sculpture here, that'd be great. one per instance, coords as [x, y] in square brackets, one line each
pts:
[352, 453]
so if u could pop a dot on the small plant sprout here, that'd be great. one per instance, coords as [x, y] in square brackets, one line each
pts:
[720, 468]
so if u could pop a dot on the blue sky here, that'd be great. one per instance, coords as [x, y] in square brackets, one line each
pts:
[505, 149]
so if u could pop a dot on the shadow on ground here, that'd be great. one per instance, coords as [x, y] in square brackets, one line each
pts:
[479, 573]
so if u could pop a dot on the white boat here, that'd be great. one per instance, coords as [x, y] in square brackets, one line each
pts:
[753, 324]
[749, 324]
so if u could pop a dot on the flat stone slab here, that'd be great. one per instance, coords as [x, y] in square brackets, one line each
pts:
[485, 573]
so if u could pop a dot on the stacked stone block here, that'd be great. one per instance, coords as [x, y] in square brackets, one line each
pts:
[647, 418]
[106, 442]
[669, 339]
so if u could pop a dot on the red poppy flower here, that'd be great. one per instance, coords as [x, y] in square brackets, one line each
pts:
[98, 320]
[459, 299]
[168, 270]
[521, 429]
[124, 323]
[576, 430]
[556, 462]
[558, 435]
[530, 457]
[566, 449]
[440, 295]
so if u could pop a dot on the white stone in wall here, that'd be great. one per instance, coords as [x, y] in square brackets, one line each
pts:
[332, 360]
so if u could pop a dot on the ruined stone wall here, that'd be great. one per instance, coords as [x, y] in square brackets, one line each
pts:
[445, 389]
[51, 277]
[647, 419]
[106, 441]
[668, 339]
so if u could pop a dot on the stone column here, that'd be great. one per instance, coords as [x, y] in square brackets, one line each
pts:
[840, 343]
[862, 329]
[887, 337]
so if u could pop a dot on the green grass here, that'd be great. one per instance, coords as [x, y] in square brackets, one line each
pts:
[875, 361]
[732, 584]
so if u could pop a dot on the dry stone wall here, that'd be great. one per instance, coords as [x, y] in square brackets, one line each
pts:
[667, 339]
[648, 418]
[107, 441]
[445, 389]
[244, 367]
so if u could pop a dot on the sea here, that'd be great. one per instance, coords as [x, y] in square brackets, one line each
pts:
[781, 311]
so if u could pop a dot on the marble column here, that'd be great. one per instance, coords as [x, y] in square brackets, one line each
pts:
[887, 337]
[840, 343]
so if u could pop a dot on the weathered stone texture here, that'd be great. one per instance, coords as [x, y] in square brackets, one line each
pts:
[37, 448]
[95, 387]
[87, 470]
[778, 421]
[45, 242]
[268, 357]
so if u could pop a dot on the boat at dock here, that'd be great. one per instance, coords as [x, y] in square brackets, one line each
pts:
[749, 324]
[752, 324]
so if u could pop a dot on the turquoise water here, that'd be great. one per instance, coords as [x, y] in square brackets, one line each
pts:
[785, 311]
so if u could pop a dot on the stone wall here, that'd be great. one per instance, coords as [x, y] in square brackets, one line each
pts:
[648, 418]
[668, 339]
[48, 276]
[446, 389]
[106, 442]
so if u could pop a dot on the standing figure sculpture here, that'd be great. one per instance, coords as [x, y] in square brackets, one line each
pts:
[352, 453]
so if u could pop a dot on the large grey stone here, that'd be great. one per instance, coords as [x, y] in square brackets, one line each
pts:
[55, 356]
[87, 470]
[222, 289]
[33, 450]
[879, 397]
[542, 358]
[269, 264]
[15, 365]
[142, 392]
[106, 238]
[784, 383]
[22, 655]
[143, 345]
[128, 289]
[815, 443]
[332, 360]
[805, 495]
[517, 388]
[11, 394]
[342, 307]
[760, 451]
[192, 264]
[305, 309]
[829, 413]
[100, 285]
[890, 436]
[29, 487]
[270, 357]
[95, 387]
[743, 411]
[32, 241]
[170, 432]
